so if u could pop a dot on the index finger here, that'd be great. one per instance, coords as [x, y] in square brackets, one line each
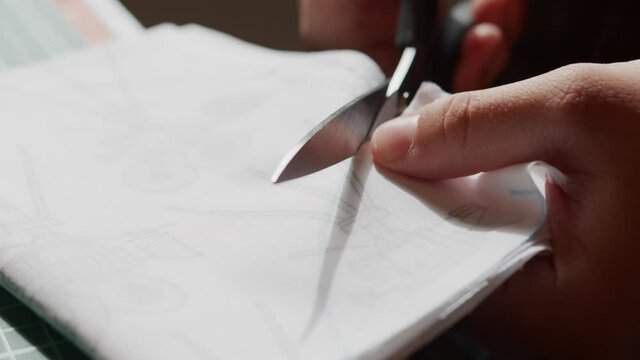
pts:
[471, 132]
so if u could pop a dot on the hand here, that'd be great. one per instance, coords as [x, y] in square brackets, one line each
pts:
[582, 299]
[370, 25]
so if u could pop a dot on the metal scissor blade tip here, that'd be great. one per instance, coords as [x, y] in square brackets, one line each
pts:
[285, 171]
[317, 151]
[335, 139]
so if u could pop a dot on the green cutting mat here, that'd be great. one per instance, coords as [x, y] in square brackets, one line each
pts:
[24, 336]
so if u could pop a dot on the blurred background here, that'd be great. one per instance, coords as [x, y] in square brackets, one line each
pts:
[268, 22]
[558, 32]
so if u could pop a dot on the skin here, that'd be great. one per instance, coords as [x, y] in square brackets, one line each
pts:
[581, 300]
[369, 26]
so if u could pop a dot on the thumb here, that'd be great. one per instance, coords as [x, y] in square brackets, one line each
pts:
[471, 132]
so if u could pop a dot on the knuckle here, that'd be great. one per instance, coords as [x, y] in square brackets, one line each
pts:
[577, 86]
[577, 92]
[586, 96]
[455, 120]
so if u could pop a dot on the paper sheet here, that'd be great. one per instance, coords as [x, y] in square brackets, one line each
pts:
[137, 215]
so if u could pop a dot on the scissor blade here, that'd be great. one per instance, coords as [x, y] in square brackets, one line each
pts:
[335, 139]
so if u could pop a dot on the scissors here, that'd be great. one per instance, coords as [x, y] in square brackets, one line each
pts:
[430, 32]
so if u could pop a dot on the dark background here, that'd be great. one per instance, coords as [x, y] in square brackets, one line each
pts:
[557, 32]
[268, 22]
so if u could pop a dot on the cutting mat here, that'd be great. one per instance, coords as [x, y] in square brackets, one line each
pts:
[24, 336]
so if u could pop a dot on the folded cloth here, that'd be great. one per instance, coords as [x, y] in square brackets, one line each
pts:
[137, 215]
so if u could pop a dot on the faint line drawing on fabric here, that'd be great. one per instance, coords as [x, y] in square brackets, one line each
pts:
[56, 262]
[345, 218]
[143, 294]
[474, 216]
[288, 348]
[162, 152]
[313, 215]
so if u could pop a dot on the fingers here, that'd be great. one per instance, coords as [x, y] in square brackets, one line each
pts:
[508, 15]
[484, 55]
[484, 130]
[487, 46]
[364, 25]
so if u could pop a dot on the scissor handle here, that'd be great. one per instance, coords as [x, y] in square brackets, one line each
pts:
[417, 23]
[420, 26]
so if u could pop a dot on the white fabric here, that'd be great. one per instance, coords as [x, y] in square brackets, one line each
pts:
[137, 215]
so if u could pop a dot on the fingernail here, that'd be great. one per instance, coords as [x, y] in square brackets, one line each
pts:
[488, 31]
[555, 177]
[393, 140]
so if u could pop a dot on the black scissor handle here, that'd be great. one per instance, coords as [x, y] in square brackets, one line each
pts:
[417, 23]
[421, 25]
